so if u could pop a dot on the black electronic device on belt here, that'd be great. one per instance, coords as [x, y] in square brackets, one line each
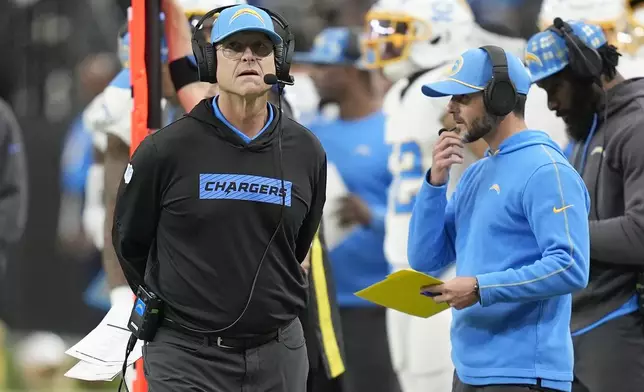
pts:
[144, 322]
[146, 315]
[639, 288]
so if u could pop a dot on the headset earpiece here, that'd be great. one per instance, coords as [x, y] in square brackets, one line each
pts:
[284, 65]
[204, 51]
[500, 94]
[353, 45]
[211, 66]
[284, 52]
[585, 62]
[279, 55]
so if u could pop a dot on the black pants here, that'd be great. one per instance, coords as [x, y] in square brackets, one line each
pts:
[458, 386]
[368, 360]
[610, 358]
[174, 362]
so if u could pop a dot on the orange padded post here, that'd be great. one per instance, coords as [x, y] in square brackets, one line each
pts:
[139, 129]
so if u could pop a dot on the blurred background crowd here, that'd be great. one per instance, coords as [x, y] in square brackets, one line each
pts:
[57, 55]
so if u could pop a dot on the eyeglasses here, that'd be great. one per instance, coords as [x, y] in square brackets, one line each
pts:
[235, 50]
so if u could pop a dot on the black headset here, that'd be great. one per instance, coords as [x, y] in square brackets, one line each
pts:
[352, 48]
[500, 94]
[204, 51]
[585, 62]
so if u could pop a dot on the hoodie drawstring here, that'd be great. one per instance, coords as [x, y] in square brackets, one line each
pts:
[593, 128]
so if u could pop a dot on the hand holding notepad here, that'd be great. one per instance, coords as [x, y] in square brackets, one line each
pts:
[401, 291]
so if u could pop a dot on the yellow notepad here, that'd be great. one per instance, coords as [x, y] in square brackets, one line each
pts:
[401, 291]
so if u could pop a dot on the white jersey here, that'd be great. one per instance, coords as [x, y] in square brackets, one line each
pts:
[110, 112]
[303, 97]
[411, 129]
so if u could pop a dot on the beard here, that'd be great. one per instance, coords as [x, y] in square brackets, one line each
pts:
[579, 119]
[480, 127]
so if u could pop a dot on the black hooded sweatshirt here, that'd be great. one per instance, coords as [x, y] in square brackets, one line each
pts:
[196, 210]
[614, 174]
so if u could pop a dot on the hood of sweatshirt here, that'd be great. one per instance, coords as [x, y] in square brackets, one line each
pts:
[621, 96]
[203, 112]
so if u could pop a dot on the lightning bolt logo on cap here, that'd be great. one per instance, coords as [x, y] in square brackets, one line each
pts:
[458, 64]
[246, 11]
[532, 58]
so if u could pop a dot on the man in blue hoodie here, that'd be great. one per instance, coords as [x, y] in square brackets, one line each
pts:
[517, 227]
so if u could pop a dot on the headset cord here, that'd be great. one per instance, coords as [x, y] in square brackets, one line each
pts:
[128, 350]
[280, 91]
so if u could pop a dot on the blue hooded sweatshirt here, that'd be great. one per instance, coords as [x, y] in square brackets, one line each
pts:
[518, 222]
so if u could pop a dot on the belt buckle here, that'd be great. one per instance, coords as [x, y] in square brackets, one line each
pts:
[220, 345]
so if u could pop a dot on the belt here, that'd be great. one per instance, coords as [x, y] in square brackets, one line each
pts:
[236, 343]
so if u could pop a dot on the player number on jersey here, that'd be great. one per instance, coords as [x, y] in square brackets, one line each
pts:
[408, 175]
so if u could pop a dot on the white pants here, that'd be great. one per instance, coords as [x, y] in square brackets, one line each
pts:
[421, 349]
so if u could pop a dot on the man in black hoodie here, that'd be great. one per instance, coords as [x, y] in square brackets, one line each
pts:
[214, 215]
[604, 115]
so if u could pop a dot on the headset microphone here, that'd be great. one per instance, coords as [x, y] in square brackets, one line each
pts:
[272, 79]
[447, 130]
[558, 23]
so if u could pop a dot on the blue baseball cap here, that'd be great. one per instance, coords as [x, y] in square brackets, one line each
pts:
[546, 52]
[242, 18]
[472, 71]
[333, 46]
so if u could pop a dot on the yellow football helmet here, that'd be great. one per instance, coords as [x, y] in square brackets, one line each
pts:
[424, 32]
[390, 35]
